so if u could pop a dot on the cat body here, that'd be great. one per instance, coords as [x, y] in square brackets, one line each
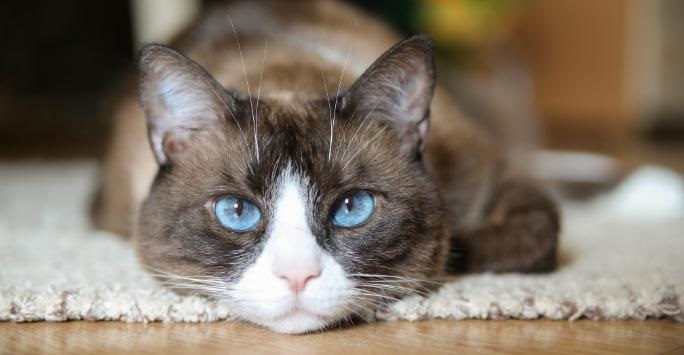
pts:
[308, 174]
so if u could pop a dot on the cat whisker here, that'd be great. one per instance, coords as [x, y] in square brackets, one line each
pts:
[392, 278]
[189, 282]
[413, 289]
[364, 308]
[401, 289]
[362, 124]
[395, 284]
[371, 299]
[205, 292]
[244, 71]
[189, 286]
[410, 282]
[330, 112]
[358, 151]
[337, 96]
[261, 76]
[232, 114]
[347, 319]
[198, 279]
[345, 127]
[377, 294]
[236, 253]
[372, 290]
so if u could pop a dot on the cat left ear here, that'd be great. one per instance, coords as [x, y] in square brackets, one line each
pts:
[398, 89]
[180, 99]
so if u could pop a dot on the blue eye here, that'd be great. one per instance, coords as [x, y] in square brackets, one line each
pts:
[353, 209]
[236, 213]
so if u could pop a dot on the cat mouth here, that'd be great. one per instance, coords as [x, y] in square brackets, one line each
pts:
[299, 310]
[298, 321]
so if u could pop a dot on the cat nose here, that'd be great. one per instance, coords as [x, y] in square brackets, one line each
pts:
[297, 280]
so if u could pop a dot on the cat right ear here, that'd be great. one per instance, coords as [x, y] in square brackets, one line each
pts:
[179, 99]
[397, 88]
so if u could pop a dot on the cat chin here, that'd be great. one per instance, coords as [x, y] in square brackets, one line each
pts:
[298, 322]
[297, 319]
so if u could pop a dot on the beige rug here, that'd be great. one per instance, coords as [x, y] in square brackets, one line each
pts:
[54, 267]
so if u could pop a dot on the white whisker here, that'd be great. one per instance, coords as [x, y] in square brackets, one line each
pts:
[391, 278]
[351, 140]
[229, 111]
[261, 76]
[358, 151]
[378, 295]
[330, 112]
[400, 289]
[244, 71]
[337, 95]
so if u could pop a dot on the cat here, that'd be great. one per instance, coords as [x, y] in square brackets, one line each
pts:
[306, 168]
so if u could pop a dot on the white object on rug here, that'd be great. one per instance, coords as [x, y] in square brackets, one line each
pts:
[55, 267]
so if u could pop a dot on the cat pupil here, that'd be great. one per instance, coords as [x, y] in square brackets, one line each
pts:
[237, 207]
[349, 204]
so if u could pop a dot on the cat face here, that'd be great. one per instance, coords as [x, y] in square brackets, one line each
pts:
[257, 206]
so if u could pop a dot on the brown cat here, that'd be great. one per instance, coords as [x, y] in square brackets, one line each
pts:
[294, 176]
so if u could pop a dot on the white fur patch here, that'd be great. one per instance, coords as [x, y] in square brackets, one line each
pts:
[291, 251]
[184, 98]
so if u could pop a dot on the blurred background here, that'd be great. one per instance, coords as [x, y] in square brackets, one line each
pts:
[604, 76]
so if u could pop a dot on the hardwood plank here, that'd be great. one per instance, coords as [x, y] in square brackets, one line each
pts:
[491, 337]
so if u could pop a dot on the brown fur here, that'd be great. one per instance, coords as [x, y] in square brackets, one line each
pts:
[492, 218]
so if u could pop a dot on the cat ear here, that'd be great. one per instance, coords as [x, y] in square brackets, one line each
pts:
[398, 88]
[179, 99]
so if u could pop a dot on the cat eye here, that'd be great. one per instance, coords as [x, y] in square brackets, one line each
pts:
[353, 209]
[236, 213]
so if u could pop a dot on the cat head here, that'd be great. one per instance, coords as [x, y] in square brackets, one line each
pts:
[298, 221]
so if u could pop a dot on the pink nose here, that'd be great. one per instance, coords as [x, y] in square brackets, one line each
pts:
[298, 281]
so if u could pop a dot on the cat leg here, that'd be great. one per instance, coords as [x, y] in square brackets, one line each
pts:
[127, 171]
[519, 233]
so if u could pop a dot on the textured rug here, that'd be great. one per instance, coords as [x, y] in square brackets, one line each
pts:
[55, 267]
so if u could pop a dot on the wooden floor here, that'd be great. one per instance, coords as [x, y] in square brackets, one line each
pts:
[489, 337]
